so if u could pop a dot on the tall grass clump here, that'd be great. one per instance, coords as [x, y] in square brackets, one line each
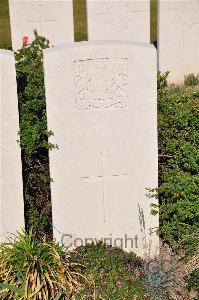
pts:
[35, 270]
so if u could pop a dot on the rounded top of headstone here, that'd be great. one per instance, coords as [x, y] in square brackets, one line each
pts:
[6, 52]
[98, 43]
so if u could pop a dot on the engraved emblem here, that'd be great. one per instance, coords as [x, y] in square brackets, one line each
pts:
[119, 21]
[119, 15]
[101, 83]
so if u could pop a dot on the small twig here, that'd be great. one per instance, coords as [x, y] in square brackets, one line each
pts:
[94, 293]
[165, 155]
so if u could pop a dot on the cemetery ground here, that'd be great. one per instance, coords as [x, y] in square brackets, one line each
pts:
[35, 267]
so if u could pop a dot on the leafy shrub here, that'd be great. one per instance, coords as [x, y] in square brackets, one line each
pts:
[31, 94]
[34, 136]
[35, 270]
[178, 110]
[111, 273]
[191, 80]
[193, 282]
[162, 84]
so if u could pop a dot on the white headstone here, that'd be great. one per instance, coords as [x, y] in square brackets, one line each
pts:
[101, 105]
[11, 198]
[53, 19]
[119, 20]
[178, 38]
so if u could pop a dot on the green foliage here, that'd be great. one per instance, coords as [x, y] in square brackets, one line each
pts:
[111, 273]
[191, 80]
[178, 122]
[162, 85]
[35, 270]
[34, 136]
[31, 94]
[193, 282]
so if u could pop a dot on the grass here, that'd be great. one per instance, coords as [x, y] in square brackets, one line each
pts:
[80, 24]
[36, 270]
[153, 21]
[79, 20]
[5, 36]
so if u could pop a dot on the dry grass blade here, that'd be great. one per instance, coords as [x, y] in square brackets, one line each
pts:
[39, 270]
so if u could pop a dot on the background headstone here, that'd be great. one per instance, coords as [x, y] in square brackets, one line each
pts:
[178, 38]
[11, 199]
[101, 105]
[53, 19]
[119, 20]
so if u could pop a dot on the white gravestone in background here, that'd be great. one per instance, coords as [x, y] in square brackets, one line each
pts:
[11, 198]
[119, 20]
[101, 105]
[53, 19]
[178, 38]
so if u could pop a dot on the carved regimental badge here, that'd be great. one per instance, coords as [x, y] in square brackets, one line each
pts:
[101, 83]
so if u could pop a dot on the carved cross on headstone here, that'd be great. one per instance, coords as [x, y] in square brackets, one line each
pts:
[39, 23]
[103, 178]
[188, 22]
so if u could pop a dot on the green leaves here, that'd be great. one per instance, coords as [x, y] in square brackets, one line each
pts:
[6, 288]
[178, 120]
[191, 80]
[33, 136]
[32, 106]
[193, 282]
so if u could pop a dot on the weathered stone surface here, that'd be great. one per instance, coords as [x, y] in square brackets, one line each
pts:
[53, 19]
[119, 20]
[178, 38]
[11, 198]
[101, 105]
